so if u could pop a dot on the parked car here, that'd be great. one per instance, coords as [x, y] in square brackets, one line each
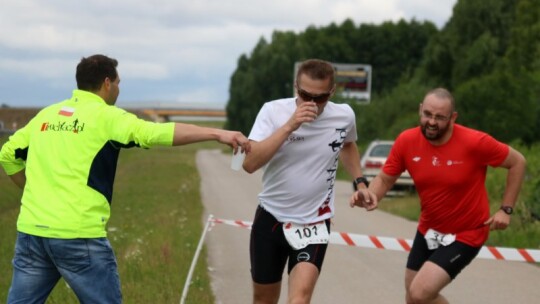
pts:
[373, 159]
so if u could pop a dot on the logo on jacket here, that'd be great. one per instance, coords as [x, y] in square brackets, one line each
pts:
[63, 126]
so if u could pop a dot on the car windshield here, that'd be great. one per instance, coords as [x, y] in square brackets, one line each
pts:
[380, 151]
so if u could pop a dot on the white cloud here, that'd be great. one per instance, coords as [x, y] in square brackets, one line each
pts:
[40, 68]
[187, 48]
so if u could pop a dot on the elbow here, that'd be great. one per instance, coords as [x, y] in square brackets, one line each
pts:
[524, 161]
[516, 159]
[249, 168]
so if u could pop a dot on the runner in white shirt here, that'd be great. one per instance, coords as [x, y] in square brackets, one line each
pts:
[299, 142]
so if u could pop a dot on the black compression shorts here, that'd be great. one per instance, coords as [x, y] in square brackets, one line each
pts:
[452, 258]
[269, 250]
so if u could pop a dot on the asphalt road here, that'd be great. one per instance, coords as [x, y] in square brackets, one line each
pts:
[349, 274]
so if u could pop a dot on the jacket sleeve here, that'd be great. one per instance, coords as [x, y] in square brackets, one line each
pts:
[127, 128]
[14, 151]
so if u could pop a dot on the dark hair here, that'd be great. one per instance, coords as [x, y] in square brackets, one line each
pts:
[92, 71]
[317, 69]
[443, 94]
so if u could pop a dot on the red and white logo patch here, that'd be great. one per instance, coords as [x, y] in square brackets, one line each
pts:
[66, 111]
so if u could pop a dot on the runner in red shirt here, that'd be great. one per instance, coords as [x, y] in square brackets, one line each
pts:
[448, 163]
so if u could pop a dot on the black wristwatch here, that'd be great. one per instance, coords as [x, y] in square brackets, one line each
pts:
[360, 180]
[507, 209]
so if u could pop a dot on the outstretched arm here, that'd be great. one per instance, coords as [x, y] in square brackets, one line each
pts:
[187, 133]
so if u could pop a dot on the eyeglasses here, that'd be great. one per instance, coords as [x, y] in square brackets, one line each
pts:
[437, 118]
[316, 98]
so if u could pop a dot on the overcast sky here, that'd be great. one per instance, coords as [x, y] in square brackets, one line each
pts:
[169, 51]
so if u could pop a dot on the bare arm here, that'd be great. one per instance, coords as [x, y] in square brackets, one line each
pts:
[350, 159]
[19, 179]
[264, 150]
[382, 183]
[516, 164]
[188, 133]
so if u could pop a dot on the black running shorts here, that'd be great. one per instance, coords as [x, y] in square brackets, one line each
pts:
[452, 258]
[269, 250]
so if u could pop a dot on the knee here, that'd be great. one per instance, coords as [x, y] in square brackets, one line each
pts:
[419, 296]
[266, 294]
[299, 299]
[259, 298]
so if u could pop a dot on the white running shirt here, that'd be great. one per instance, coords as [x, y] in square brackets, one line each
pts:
[298, 182]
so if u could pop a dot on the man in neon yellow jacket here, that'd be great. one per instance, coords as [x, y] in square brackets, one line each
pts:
[65, 160]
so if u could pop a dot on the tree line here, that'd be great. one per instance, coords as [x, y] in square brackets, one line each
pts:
[487, 55]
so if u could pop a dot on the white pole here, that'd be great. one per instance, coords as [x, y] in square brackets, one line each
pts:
[194, 261]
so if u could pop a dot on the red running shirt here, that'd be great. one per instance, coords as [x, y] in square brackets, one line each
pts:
[450, 179]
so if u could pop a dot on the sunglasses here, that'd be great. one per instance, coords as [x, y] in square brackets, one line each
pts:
[316, 98]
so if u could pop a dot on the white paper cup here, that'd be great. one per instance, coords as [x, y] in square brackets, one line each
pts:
[315, 109]
[237, 160]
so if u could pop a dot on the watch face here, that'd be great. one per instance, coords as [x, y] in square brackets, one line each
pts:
[507, 209]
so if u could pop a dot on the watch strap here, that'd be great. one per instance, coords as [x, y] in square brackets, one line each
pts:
[360, 180]
[507, 209]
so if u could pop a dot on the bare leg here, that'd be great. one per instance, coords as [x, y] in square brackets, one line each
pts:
[266, 293]
[302, 282]
[425, 285]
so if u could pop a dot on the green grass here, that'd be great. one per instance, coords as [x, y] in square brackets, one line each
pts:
[407, 206]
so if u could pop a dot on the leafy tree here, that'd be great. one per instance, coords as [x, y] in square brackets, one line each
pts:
[495, 103]
[524, 54]
[475, 37]
[487, 54]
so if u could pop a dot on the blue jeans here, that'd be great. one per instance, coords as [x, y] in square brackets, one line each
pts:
[87, 265]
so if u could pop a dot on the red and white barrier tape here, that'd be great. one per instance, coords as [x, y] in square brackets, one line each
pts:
[367, 241]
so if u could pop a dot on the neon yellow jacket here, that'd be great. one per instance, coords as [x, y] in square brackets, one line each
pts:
[70, 150]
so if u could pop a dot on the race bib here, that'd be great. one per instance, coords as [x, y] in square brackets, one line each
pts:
[299, 236]
[434, 239]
